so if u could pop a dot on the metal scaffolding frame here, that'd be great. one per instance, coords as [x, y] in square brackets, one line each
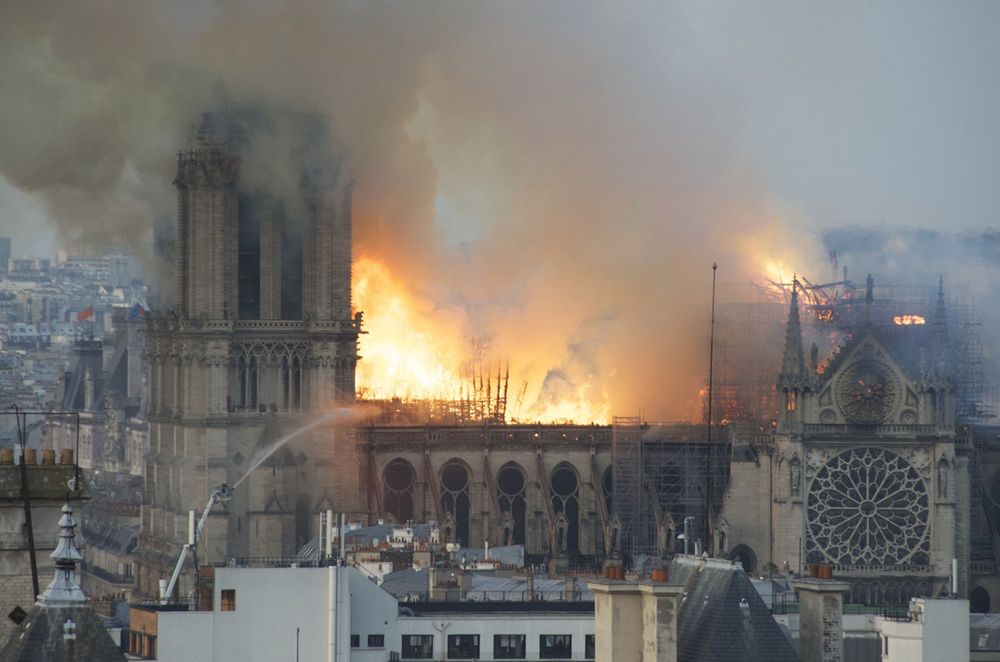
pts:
[660, 477]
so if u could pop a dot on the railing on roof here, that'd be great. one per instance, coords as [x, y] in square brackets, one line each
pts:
[841, 430]
[788, 603]
[882, 569]
[274, 562]
[104, 575]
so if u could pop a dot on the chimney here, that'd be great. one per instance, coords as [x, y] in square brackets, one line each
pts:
[570, 593]
[464, 584]
[635, 621]
[821, 619]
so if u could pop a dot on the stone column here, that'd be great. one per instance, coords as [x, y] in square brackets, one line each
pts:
[821, 619]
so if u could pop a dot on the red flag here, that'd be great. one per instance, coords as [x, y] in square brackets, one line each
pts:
[85, 314]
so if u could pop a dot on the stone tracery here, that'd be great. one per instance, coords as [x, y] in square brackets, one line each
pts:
[868, 506]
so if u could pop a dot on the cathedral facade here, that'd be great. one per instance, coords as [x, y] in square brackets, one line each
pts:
[867, 471]
[261, 340]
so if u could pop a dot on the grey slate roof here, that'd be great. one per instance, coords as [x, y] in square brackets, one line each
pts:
[40, 638]
[722, 617]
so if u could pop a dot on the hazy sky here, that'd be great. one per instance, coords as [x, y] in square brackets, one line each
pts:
[862, 113]
[556, 175]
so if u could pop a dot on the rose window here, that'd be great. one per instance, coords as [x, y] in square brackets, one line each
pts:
[868, 506]
[866, 393]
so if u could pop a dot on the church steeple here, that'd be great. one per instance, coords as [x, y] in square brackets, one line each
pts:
[64, 589]
[793, 366]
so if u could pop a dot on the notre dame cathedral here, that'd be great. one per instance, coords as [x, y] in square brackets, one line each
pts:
[870, 464]
[867, 471]
[260, 338]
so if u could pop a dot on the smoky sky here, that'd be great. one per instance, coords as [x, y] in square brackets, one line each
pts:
[562, 174]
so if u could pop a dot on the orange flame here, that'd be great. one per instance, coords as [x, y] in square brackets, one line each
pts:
[908, 320]
[415, 349]
[404, 354]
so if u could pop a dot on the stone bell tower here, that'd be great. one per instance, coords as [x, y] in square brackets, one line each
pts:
[261, 341]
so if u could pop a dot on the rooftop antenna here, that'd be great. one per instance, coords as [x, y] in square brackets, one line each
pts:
[709, 485]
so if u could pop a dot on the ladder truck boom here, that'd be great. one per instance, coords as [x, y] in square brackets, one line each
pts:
[221, 493]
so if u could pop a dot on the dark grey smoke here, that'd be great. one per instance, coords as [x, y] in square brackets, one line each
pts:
[540, 164]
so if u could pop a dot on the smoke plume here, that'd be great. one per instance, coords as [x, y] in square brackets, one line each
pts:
[554, 176]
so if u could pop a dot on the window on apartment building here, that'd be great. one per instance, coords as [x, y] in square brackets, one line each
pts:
[418, 646]
[508, 646]
[555, 646]
[589, 647]
[376, 641]
[463, 646]
[355, 641]
[228, 601]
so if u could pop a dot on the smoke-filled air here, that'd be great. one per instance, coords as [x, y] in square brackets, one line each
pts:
[539, 189]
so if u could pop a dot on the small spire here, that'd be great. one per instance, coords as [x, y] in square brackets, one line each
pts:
[793, 367]
[64, 590]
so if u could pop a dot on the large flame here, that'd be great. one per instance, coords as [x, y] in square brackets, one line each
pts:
[415, 349]
[406, 352]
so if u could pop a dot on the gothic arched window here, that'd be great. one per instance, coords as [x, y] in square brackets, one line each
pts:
[455, 499]
[399, 478]
[510, 494]
[566, 503]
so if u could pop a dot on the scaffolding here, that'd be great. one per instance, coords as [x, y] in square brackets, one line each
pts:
[629, 500]
[662, 475]
[750, 328]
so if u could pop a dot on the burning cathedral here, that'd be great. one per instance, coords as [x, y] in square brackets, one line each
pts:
[862, 455]
[261, 337]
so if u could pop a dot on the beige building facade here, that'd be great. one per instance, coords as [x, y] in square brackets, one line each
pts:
[261, 342]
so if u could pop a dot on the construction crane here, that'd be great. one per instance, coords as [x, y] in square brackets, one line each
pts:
[221, 493]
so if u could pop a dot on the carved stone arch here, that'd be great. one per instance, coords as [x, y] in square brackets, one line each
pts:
[745, 556]
[979, 600]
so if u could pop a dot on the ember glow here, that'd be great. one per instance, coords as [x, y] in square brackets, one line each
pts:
[908, 320]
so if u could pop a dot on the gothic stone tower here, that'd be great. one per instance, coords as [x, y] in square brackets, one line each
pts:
[865, 472]
[260, 342]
